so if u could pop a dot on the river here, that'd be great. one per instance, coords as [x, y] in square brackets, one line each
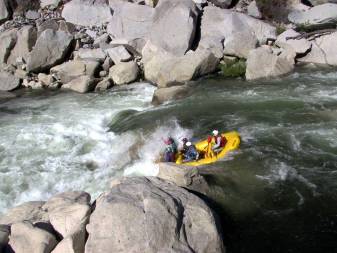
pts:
[278, 193]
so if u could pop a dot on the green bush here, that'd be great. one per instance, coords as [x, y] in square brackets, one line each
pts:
[233, 68]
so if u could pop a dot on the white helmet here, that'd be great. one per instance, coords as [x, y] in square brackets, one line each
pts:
[188, 144]
[215, 132]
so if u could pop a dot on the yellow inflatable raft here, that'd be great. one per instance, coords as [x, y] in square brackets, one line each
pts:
[205, 150]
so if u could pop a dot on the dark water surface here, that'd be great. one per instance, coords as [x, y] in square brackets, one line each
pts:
[278, 193]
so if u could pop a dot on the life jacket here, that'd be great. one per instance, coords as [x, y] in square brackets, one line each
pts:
[223, 140]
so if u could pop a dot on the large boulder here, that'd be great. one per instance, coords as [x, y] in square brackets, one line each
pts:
[170, 93]
[69, 219]
[323, 51]
[124, 72]
[131, 23]
[151, 215]
[87, 12]
[29, 211]
[7, 42]
[8, 81]
[285, 41]
[71, 70]
[321, 16]
[82, 84]
[174, 25]
[50, 49]
[118, 54]
[264, 63]
[168, 70]
[26, 238]
[4, 11]
[26, 38]
[218, 25]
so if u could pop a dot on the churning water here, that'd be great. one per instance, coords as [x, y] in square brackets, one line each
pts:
[278, 193]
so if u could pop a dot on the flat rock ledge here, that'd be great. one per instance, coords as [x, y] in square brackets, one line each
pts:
[137, 214]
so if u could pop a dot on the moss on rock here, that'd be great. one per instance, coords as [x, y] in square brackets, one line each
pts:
[233, 68]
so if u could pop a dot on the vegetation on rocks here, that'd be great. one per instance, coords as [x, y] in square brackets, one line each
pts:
[233, 68]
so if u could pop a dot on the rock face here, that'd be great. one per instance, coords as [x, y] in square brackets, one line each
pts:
[82, 84]
[26, 38]
[124, 72]
[8, 82]
[323, 51]
[324, 15]
[27, 238]
[29, 211]
[71, 70]
[263, 63]
[174, 25]
[130, 22]
[50, 3]
[7, 42]
[87, 12]
[167, 70]
[253, 10]
[151, 215]
[300, 46]
[171, 93]
[51, 48]
[4, 12]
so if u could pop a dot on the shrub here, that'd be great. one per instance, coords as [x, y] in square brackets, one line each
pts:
[233, 68]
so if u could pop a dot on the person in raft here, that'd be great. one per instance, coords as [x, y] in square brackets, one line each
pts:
[219, 141]
[191, 153]
[170, 150]
[184, 147]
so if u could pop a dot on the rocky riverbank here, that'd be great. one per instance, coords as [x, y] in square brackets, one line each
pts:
[86, 45]
[134, 215]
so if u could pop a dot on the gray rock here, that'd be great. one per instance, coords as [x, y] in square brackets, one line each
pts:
[46, 80]
[7, 42]
[171, 93]
[71, 70]
[50, 49]
[118, 54]
[103, 39]
[26, 38]
[319, 2]
[82, 84]
[103, 85]
[323, 51]
[32, 15]
[253, 10]
[4, 236]
[21, 74]
[124, 72]
[300, 46]
[66, 27]
[96, 54]
[73, 243]
[151, 215]
[8, 82]
[31, 211]
[50, 3]
[28, 239]
[87, 12]
[107, 64]
[174, 25]
[168, 70]
[48, 24]
[67, 198]
[262, 63]
[321, 16]
[130, 22]
[183, 176]
[4, 11]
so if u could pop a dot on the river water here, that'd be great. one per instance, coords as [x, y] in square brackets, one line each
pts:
[278, 193]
